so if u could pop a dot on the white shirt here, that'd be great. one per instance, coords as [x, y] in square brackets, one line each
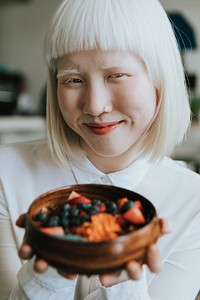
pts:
[27, 170]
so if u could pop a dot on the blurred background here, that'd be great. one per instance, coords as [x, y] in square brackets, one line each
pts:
[23, 71]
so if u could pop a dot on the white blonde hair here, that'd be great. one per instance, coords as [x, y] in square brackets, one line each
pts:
[139, 26]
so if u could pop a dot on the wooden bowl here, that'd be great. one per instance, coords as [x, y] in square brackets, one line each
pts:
[87, 257]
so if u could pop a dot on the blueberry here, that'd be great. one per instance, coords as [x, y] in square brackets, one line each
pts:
[53, 221]
[111, 207]
[96, 202]
[80, 205]
[74, 212]
[41, 217]
[75, 222]
[85, 218]
[93, 210]
[66, 207]
[126, 206]
[64, 221]
[65, 213]
[83, 206]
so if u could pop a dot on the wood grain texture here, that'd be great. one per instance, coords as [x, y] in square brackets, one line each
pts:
[86, 257]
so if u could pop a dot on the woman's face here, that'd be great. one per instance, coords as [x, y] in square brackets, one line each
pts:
[108, 99]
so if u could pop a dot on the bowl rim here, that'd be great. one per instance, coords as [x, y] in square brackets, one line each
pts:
[77, 187]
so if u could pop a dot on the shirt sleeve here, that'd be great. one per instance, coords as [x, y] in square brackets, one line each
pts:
[90, 288]
[180, 278]
[9, 259]
[49, 285]
[130, 290]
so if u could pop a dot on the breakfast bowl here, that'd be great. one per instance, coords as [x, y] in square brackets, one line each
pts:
[71, 251]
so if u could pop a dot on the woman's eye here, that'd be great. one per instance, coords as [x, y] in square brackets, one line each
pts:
[117, 75]
[73, 81]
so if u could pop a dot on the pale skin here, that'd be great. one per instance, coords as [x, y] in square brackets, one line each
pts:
[106, 97]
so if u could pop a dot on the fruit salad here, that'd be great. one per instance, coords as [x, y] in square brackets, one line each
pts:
[91, 220]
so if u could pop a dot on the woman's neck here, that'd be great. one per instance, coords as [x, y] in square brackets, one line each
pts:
[112, 164]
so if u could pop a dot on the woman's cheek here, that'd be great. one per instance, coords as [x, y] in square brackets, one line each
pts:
[62, 98]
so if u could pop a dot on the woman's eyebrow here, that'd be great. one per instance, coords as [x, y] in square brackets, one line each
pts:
[67, 71]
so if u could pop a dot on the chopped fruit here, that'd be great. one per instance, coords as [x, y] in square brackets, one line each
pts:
[66, 207]
[53, 221]
[82, 214]
[73, 194]
[102, 207]
[80, 230]
[42, 216]
[53, 230]
[93, 219]
[77, 200]
[134, 215]
[96, 202]
[126, 206]
[111, 208]
[120, 219]
[103, 227]
[121, 202]
[138, 204]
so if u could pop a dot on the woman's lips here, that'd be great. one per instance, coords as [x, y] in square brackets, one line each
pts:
[102, 128]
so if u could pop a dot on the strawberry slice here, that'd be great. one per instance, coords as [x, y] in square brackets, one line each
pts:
[102, 208]
[122, 221]
[74, 201]
[82, 214]
[57, 230]
[73, 194]
[134, 215]
[121, 202]
[80, 230]
[138, 204]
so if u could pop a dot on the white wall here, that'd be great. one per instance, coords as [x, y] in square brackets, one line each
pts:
[22, 27]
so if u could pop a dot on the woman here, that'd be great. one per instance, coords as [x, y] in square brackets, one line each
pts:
[116, 107]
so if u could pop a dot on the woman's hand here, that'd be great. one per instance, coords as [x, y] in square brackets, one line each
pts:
[133, 269]
[26, 252]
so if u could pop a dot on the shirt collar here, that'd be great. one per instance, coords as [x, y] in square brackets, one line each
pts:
[85, 172]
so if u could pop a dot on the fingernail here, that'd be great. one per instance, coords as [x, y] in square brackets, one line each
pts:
[25, 251]
[105, 280]
[158, 267]
[135, 271]
[168, 226]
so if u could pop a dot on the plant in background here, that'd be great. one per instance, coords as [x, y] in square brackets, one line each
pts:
[195, 106]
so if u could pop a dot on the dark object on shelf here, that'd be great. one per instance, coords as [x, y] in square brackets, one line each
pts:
[191, 80]
[10, 86]
[43, 102]
[183, 31]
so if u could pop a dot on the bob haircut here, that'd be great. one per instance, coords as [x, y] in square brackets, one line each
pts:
[141, 27]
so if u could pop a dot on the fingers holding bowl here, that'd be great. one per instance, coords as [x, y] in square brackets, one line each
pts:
[166, 226]
[132, 270]
[25, 251]
[40, 265]
[153, 259]
[83, 257]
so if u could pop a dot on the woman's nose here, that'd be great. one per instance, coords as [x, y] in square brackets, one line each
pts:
[97, 100]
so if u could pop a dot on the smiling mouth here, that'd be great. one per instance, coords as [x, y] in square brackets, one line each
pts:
[103, 128]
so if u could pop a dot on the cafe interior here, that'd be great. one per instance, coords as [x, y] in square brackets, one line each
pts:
[23, 71]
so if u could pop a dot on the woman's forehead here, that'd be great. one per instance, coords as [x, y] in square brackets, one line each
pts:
[106, 59]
